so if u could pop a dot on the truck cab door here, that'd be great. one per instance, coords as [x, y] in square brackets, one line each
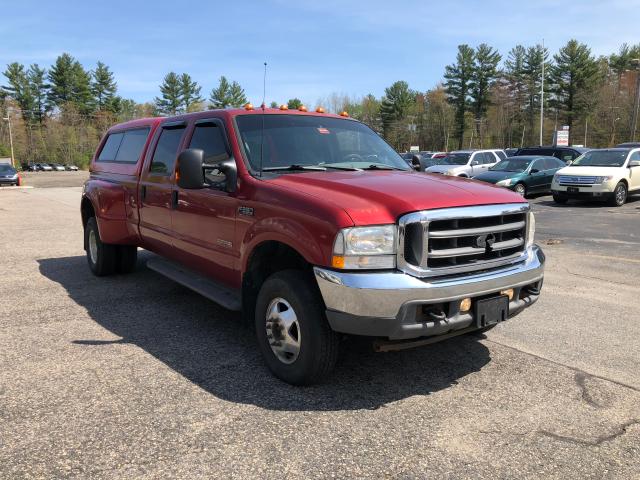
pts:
[156, 189]
[204, 219]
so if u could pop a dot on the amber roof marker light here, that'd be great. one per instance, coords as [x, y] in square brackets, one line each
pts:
[284, 107]
[319, 110]
[248, 106]
[344, 114]
[302, 108]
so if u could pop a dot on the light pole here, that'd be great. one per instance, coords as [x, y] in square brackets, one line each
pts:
[8, 119]
[636, 104]
[542, 95]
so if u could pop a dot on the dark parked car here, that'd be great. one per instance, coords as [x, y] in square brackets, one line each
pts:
[524, 174]
[511, 152]
[566, 154]
[628, 145]
[8, 175]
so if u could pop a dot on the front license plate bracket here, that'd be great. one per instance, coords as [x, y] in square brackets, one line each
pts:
[490, 311]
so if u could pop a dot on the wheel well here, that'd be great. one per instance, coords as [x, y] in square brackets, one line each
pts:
[463, 175]
[87, 211]
[266, 259]
[626, 184]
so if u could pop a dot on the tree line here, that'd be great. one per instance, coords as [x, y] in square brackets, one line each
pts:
[484, 100]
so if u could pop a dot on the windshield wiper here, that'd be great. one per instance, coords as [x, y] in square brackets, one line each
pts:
[375, 166]
[350, 169]
[294, 168]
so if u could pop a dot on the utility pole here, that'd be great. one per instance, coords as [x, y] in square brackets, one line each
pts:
[8, 119]
[542, 95]
[586, 126]
[636, 104]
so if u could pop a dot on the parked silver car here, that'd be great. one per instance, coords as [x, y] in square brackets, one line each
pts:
[468, 163]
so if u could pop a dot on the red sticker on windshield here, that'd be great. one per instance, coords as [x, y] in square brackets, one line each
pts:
[323, 130]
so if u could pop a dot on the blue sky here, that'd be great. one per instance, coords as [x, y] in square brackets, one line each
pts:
[313, 48]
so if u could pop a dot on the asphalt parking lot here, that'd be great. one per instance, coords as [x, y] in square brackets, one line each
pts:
[135, 376]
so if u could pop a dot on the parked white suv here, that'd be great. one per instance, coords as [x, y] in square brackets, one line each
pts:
[468, 163]
[605, 174]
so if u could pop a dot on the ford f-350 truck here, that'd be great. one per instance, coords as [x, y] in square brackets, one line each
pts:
[312, 226]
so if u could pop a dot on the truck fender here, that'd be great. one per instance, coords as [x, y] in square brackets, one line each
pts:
[108, 202]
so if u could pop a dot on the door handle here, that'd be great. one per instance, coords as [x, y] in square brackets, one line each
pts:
[174, 199]
[143, 192]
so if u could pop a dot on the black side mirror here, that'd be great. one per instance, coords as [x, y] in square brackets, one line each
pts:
[634, 163]
[191, 168]
[230, 170]
[415, 162]
[190, 172]
[534, 170]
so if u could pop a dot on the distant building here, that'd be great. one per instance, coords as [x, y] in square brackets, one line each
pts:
[5, 160]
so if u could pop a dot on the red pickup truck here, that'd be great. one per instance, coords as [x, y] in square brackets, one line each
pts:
[313, 227]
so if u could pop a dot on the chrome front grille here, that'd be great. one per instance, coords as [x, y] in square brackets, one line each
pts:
[455, 240]
[576, 180]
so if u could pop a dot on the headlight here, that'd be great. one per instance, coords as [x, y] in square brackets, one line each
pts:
[531, 229]
[504, 183]
[365, 247]
[603, 179]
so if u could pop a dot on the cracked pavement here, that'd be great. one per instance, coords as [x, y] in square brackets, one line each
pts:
[136, 377]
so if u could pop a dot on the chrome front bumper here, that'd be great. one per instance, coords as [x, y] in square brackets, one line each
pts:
[390, 303]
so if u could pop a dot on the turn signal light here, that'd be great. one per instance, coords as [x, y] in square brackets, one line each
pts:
[465, 305]
[508, 293]
[337, 261]
[248, 106]
[284, 107]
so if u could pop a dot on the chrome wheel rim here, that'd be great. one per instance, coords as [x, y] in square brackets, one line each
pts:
[620, 195]
[93, 247]
[283, 330]
[520, 189]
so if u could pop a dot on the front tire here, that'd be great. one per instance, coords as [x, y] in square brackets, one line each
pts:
[293, 334]
[101, 257]
[520, 189]
[619, 197]
[560, 200]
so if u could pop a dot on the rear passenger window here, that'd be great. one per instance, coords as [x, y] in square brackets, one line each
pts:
[110, 149]
[489, 158]
[164, 157]
[132, 145]
[501, 154]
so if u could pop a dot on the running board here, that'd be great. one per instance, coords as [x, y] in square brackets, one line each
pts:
[224, 296]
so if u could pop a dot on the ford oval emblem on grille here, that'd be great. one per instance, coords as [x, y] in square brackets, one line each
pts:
[485, 241]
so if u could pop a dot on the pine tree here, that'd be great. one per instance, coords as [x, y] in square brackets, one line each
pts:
[171, 90]
[394, 111]
[485, 72]
[294, 103]
[19, 89]
[39, 89]
[457, 83]
[190, 92]
[573, 79]
[227, 95]
[103, 87]
[70, 84]
[274, 104]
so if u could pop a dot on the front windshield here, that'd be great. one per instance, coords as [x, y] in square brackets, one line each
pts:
[308, 141]
[6, 168]
[456, 159]
[511, 165]
[601, 158]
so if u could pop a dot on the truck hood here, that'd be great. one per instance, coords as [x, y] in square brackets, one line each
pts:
[591, 171]
[382, 197]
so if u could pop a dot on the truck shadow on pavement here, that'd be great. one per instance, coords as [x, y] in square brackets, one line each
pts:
[211, 347]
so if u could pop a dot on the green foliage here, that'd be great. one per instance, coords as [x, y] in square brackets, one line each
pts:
[485, 72]
[170, 102]
[458, 78]
[395, 113]
[227, 94]
[103, 87]
[190, 92]
[19, 89]
[294, 103]
[70, 85]
[574, 78]
[37, 78]
[273, 104]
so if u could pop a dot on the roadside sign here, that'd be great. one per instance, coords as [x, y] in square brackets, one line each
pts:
[562, 138]
[414, 148]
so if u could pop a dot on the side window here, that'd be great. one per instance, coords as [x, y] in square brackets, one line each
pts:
[501, 155]
[634, 156]
[164, 158]
[110, 149]
[210, 138]
[551, 164]
[489, 158]
[132, 145]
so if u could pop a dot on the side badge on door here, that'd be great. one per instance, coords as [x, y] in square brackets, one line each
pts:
[246, 211]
